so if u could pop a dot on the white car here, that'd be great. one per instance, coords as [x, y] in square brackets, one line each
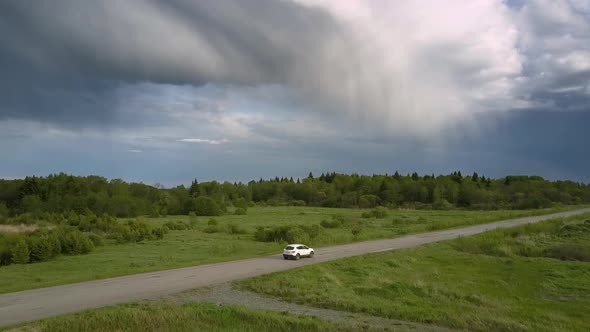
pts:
[297, 251]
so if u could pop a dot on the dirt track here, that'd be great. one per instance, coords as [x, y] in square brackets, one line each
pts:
[52, 301]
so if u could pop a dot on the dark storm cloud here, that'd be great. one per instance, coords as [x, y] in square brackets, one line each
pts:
[555, 37]
[365, 62]
[164, 41]
[60, 60]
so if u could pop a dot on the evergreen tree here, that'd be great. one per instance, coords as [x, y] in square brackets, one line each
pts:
[194, 188]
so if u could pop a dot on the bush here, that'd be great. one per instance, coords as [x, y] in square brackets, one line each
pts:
[177, 225]
[442, 204]
[3, 212]
[75, 242]
[240, 211]
[274, 234]
[158, 233]
[211, 229]
[205, 206]
[241, 203]
[21, 252]
[356, 229]
[331, 223]
[297, 235]
[368, 201]
[232, 228]
[44, 247]
[212, 222]
[569, 252]
[313, 231]
[378, 213]
[297, 202]
[289, 234]
[96, 239]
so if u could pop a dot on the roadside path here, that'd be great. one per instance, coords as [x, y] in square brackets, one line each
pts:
[53, 301]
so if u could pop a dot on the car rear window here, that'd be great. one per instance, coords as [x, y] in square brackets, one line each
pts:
[289, 248]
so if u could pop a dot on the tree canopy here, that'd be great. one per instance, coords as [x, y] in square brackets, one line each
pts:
[62, 193]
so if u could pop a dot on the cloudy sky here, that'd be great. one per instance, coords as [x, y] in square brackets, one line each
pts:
[168, 91]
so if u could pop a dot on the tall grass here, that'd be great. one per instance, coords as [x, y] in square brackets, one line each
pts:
[187, 317]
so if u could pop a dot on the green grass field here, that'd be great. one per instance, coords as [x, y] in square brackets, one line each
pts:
[194, 247]
[174, 317]
[504, 280]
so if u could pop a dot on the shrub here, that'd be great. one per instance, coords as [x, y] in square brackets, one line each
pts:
[274, 234]
[75, 242]
[211, 229]
[158, 233]
[313, 231]
[241, 203]
[368, 201]
[96, 239]
[21, 252]
[569, 252]
[206, 206]
[442, 204]
[154, 212]
[139, 230]
[3, 212]
[240, 211]
[44, 247]
[212, 222]
[177, 225]
[290, 234]
[356, 229]
[331, 223]
[379, 213]
[297, 235]
[339, 217]
[5, 255]
[232, 228]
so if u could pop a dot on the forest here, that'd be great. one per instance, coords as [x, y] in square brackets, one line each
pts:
[60, 193]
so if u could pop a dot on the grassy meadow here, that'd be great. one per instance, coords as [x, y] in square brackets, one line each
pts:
[185, 317]
[199, 245]
[530, 278]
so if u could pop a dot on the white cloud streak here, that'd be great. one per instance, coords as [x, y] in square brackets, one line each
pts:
[203, 141]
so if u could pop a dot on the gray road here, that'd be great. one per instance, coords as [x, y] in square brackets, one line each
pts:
[52, 301]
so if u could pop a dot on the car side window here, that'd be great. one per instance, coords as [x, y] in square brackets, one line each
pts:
[300, 247]
[304, 247]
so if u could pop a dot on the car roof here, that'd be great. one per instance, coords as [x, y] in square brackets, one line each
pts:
[295, 244]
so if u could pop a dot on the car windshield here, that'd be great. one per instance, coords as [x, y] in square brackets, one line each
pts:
[289, 248]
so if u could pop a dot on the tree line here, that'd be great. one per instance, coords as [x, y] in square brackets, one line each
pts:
[60, 193]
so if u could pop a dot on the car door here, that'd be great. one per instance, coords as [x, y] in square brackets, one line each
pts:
[304, 251]
[301, 250]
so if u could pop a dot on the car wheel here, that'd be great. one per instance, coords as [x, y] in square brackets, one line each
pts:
[297, 257]
[311, 254]
[285, 257]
